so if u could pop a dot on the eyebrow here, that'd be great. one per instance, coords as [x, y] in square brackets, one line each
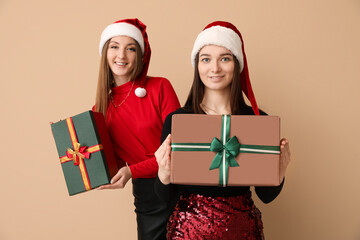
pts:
[119, 43]
[223, 54]
[226, 54]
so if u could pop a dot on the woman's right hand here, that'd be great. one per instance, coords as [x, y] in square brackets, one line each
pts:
[164, 160]
[119, 180]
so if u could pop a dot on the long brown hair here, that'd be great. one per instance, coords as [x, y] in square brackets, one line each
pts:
[196, 94]
[106, 78]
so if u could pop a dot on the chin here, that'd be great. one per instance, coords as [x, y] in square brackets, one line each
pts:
[217, 87]
[122, 74]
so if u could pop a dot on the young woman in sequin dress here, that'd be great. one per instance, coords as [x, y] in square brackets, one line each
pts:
[208, 212]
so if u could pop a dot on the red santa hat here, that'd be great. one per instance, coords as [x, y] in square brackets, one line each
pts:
[121, 28]
[135, 29]
[226, 35]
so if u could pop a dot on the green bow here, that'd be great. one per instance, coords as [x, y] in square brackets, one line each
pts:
[232, 149]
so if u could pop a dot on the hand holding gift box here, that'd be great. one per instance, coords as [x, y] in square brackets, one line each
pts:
[164, 160]
[85, 151]
[245, 150]
[119, 180]
[285, 156]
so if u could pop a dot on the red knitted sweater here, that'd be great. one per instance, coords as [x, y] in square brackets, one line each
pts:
[135, 126]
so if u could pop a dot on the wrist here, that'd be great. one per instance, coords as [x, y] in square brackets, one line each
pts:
[129, 171]
[282, 176]
[164, 178]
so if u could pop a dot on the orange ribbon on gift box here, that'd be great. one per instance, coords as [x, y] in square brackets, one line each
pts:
[78, 153]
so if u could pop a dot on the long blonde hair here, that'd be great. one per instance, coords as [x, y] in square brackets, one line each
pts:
[106, 78]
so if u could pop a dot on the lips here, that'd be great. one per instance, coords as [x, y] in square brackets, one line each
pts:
[215, 78]
[121, 63]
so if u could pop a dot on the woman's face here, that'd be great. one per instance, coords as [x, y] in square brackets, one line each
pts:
[216, 67]
[121, 56]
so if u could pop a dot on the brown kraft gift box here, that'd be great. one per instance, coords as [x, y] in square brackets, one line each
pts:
[255, 167]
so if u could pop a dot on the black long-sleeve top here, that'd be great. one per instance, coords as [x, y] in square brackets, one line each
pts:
[171, 192]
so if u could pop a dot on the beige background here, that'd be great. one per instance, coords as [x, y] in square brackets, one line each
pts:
[304, 63]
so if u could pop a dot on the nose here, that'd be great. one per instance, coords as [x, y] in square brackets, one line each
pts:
[122, 53]
[216, 67]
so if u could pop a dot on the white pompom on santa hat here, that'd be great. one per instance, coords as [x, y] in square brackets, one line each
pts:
[226, 35]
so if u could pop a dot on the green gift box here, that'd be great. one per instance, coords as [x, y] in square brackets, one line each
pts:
[85, 151]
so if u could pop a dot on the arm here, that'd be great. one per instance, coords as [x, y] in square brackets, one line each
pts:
[163, 188]
[268, 194]
[167, 103]
[121, 177]
[145, 169]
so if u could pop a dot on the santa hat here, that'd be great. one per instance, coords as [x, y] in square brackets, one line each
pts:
[135, 29]
[121, 28]
[226, 35]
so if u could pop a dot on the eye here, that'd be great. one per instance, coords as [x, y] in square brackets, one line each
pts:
[131, 49]
[225, 59]
[114, 47]
[205, 60]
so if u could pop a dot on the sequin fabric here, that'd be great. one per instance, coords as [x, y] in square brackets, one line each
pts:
[226, 218]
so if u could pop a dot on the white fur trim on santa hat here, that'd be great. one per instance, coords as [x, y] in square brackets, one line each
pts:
[121, 29]
[220, 36]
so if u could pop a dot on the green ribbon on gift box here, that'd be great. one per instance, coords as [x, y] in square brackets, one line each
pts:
[226, 150]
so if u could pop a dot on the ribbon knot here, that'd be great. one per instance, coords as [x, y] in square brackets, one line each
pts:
[232, 149]
[77, 153]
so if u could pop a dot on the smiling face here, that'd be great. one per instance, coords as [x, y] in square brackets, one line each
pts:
[121, 57]
[216, 67]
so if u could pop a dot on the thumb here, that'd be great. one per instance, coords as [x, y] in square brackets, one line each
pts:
[116, 177]
[168, 138]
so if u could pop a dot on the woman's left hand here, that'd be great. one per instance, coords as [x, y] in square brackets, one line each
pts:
[284, 157]
[119, 180]
[163, 158]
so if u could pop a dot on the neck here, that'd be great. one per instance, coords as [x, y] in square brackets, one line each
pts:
[121, 80]
[217, 102]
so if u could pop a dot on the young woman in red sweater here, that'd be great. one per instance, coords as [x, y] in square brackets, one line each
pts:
[135, 107]
[220, 79]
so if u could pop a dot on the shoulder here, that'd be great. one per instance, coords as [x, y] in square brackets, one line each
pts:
[157, 81]
[182, 110]
[159, 86]
[249, 111]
